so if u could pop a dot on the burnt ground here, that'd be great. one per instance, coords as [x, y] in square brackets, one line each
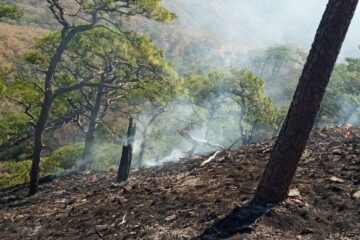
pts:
[180, 200]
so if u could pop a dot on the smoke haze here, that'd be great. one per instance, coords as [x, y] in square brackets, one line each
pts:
[260, 23]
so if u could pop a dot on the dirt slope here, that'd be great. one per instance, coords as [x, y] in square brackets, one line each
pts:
[180, 200]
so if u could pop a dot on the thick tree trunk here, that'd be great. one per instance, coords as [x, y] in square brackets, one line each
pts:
[44, 114]
[279, 173]
[89, 138]
[38, 142]
[126, 155]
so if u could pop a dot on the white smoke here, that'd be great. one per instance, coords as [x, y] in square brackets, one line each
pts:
[261, 23]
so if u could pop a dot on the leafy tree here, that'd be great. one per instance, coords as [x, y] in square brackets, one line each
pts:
[280, 67]
[240, 87]
[91, 14]
[129, 65]
[342, 99]
[257, 111]
[348, 74]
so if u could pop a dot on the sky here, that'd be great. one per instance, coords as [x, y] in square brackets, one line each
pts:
[260, 23]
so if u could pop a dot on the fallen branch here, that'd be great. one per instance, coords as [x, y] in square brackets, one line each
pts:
[123, 221]
[210, 158]
[198, 142]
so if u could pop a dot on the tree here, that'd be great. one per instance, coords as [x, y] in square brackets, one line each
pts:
[279, 172]
[241, 90]
[256, 109]
[90, 15]
[127, 64]
[341, 102]
[347, 79]
[146, 118]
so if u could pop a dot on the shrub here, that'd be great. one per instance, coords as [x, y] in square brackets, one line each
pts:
[106, 156]
[12, 173]
[67, 156]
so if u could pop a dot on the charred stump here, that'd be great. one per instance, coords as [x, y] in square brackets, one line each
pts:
[126, 155]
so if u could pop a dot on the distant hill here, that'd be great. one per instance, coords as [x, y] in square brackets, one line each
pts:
[186, 43]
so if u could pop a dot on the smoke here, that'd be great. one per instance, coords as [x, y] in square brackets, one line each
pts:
[165, 143]
[260, 23]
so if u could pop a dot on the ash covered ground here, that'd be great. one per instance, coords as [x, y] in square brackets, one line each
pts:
[181, 199]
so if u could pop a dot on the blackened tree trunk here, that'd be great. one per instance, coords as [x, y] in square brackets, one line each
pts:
[126, 155]
[279, 173]
[89, 137]
[45, 110]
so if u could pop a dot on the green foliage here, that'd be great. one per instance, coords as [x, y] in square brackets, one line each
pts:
[13, 173]
[280, 67]
[10, 11]
[66, 156]
[13, 125]
[106, 156]
[342, 99]
[206, 90]
[234, 97]
[257, 108]
[148, 8]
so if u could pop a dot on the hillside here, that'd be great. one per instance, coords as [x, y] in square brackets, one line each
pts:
[187, 43]
[180, 200]
[14, 39]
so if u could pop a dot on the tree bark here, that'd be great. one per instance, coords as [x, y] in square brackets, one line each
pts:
[89, 138]
[126, 155]
[44, 113]
[279, 173]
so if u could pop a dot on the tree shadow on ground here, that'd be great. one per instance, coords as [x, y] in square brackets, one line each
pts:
[237, 222]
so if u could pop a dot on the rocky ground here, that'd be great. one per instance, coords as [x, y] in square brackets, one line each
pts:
[180, 200]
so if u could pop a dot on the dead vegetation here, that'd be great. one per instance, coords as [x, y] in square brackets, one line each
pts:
[179, 200]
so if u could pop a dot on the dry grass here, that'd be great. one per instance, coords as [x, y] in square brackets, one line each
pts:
[14, 40]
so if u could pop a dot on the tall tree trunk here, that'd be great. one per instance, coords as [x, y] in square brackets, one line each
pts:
[279, 173]
[45, 110]
[89, 138]
[38, 142]
[126, 155]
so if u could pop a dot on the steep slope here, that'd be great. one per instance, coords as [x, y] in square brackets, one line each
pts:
[181, 199]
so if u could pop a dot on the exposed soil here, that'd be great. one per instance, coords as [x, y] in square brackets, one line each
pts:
[180, 200]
